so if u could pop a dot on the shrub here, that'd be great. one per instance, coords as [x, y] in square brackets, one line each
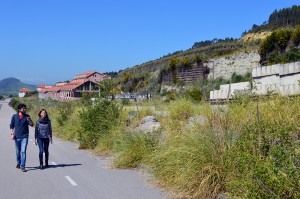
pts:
[265, 161]
[86, 99]
[64, 111]
[191, 165]
[15, 103]
[195, 94]
[135, 150]
[171, 95]
[181, 109]
[296, 35]
[96, 121]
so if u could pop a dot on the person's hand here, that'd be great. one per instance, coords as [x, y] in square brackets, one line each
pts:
[12, 136]
[35, 141]
[29, 121]
[51, 140]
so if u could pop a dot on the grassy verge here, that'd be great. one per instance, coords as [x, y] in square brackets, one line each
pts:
[246, 149]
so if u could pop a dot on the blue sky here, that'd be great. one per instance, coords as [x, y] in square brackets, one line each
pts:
[53, 40]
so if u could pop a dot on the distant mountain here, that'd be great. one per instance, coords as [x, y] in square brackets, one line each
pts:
[11, 86]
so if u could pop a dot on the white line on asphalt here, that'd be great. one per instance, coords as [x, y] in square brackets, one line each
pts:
[53, 163]
[71, 181]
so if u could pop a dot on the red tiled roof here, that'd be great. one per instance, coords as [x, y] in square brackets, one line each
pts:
[84, 75]
[41, 86]
[79, 81]
[54, 88]
[72, 85]
[43, 91]
[24, 90]
[61, 83]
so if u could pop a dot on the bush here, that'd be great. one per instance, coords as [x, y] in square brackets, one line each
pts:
[191, 165]
[195, 94]
[96, 121]
[135, 150]
[15, 103]
[266, 161]
[171, 96]
[64, 111]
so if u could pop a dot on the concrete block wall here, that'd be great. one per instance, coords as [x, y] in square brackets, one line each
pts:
[292, 78]
[218, 94]
[279, 78]
[290, 89]
[227, 89]
[236, 86]
[289, 68]
[263, 89]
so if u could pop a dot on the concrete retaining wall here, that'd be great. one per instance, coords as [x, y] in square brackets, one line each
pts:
[229, 90]
[280, 78]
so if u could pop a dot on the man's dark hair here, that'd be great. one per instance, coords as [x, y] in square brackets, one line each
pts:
[21, 106]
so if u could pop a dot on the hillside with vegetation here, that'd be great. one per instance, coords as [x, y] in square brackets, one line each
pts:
[11, 86]
[248, 148]
[279, 33]
[281, 46]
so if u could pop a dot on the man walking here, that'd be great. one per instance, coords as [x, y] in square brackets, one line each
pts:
[19, 133]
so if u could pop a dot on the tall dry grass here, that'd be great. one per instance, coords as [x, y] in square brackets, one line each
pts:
[245, 149]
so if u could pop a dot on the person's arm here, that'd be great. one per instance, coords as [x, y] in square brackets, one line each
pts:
[12, 134]
[36, 132]
[30, 122]
[12, 128]
[50, 131]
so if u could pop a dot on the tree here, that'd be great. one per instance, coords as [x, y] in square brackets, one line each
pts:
[282, 37]
[296, 35]
[173, 63]
[254, 26]
[105, 87]
[186, 62]
[197, 58]
[267, 45]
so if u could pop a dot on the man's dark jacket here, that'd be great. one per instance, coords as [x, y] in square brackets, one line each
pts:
[20, 126]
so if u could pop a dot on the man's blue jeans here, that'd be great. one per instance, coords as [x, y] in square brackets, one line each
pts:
[21, 146]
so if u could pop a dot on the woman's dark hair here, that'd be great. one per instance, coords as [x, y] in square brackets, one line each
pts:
[45, 112]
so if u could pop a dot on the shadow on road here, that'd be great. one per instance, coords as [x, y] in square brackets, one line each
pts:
[52, 166]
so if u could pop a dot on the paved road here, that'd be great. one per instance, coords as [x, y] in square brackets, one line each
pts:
[72, 174]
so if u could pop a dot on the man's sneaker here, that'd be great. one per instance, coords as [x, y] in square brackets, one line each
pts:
[18, 166]
[23, 170]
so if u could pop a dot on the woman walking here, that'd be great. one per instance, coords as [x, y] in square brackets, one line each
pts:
[43, 136]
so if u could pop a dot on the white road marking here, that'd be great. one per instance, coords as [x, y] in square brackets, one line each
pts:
[53, 163]
[71, 181]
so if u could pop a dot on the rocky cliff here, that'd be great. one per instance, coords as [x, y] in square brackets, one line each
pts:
[239, 63]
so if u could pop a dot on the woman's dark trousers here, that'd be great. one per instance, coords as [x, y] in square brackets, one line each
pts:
[44, 147]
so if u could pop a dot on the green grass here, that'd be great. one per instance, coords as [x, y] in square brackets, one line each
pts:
[248, 149]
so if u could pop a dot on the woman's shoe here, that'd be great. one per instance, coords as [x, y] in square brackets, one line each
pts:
[41, 167]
